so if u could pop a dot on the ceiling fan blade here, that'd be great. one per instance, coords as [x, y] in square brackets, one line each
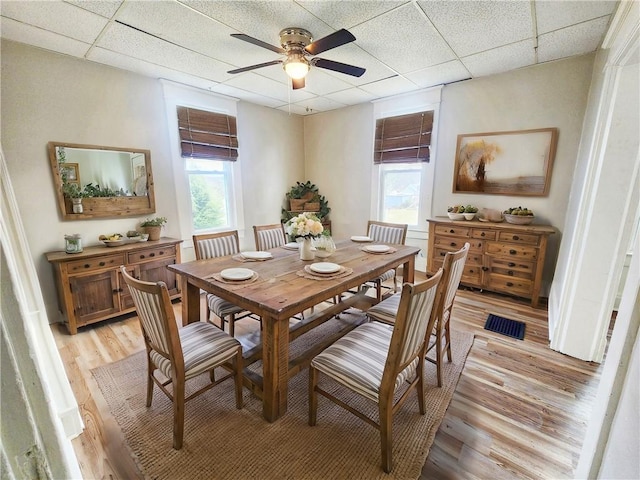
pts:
[338, 67]
[253, 67]
[333, 40]
[260, 43]
[297, 83]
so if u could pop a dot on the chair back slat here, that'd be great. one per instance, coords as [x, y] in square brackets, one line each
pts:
[455, 269]
[215, 245]
[387, 232]
[269, 236]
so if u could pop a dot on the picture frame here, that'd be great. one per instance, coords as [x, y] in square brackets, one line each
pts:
[71, 171]
[505, 163]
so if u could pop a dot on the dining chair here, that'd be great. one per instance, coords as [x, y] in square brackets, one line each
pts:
[269, 236]
[440, 334]
[220, 244]
[376, 360]
[180, 354]
[387, 233]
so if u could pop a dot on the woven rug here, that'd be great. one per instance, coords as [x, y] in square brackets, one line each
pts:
[221, 442]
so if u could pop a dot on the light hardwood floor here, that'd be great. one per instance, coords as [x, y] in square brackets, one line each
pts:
[520, 410]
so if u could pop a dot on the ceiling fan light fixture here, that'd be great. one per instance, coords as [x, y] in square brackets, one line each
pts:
[296, 66]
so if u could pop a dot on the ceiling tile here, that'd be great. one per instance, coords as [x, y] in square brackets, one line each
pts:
[341, 14]
[56, 16]
[403, 40]
[104, 8]
[265, 86]
[390, 86]
[502, 59]
[351, 96]
[128, 41]
[553, 15]
[575, 40]
[472, 27]
[21, 32]
[444, 73]
[320, 104]
[295, 109]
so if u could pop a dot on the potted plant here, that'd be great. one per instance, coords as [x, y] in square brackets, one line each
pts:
[73, 191]
[153, 226]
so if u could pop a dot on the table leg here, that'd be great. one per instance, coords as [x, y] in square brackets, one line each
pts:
[275, 365]
[190, 301]
[408, 270]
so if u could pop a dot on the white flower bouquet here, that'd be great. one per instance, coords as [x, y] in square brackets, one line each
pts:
[305, 225]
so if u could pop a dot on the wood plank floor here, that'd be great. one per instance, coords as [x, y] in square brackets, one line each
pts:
[520, 410]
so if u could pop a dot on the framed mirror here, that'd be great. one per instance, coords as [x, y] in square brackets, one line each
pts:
[93, 181]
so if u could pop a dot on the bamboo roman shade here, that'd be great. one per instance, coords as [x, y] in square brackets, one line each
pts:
[207, 134]
[403, 139]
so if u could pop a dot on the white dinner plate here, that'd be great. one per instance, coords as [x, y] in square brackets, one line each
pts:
[236, 273]
[324, 267]
[291, 246]
[257, 255]
[377, 248]
[360, 238]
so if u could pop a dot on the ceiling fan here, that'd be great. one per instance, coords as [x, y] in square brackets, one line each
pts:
[298, 45]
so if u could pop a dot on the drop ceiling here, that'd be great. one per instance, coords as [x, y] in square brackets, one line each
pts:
[403, 45]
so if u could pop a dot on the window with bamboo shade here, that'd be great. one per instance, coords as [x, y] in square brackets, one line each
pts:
[207, 135]
[404, 138]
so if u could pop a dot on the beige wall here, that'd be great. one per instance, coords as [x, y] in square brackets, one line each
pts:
[50, 97]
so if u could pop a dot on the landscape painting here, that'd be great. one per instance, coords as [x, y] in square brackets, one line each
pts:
[505, 163]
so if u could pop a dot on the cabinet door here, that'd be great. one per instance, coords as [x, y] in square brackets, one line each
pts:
[95, 296]
[158, 272]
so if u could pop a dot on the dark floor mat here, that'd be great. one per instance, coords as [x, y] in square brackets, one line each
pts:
[505, 326]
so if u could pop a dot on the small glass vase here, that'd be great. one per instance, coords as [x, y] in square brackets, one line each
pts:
[306, 253]
[73, 243]
[324, 245]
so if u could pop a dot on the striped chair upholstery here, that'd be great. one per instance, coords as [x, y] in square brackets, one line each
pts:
[269, 236]
[383, 232]
[180, 354]
[212, 245]
[440, 335]
[376, 360]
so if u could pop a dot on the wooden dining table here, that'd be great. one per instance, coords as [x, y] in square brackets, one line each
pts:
[279, 292]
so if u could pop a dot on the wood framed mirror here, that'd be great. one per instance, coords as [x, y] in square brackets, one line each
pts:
[111, 181]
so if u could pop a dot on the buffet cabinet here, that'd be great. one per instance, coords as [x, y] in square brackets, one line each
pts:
[502, 258]
[90, 285]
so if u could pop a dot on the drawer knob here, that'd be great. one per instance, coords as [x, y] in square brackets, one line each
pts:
[442, 254]
[86, 265]
[484, 269]
[115, 290]
[512, 252]
[509, 284]
[516, 237]
[152, 254]
[141, 256]
[510, 272]
[452, 231]
[482, 234]
[453, 244]
[511, 264]
[161, 252]
[102, 264]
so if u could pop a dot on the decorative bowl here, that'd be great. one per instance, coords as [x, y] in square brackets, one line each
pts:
[469, 216]
[143, 237]
[113, 243]
[455, 216]
[519, 219]
[322, 253]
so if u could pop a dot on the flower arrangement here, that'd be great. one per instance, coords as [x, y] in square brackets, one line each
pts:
[305, 225]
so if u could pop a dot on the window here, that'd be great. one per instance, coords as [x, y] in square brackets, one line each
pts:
[208, 145]
[402, 149]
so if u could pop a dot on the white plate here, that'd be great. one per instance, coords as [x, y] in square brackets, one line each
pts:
[324, 267]
[359, 238]
[291, 246]
[257, 255]
[377, 248]
[236, 274]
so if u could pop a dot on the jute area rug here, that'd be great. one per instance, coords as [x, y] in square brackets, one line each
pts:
[221, 442]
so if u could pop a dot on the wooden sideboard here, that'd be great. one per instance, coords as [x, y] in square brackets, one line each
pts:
[503, 258]
[89, 284]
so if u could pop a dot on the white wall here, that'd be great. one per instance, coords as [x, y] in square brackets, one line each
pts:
[339, 144]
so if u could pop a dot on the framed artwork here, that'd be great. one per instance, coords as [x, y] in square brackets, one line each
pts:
[505, 163]
[71, 171]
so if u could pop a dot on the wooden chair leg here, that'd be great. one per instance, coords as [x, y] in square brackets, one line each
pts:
[439, 355]
[379, 290]
[313, 396]
[178, 412]
[150, 368]
[447, 334]
[420, 388]
[238, 378]
[232, 322]
[386, 435]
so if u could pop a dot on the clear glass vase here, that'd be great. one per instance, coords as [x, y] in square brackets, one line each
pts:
[324, 245]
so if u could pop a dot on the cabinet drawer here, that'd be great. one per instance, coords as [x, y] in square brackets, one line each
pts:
[511, 267]
[452, 244]
[452, 230]
[483, 234]
[473, 257]
[521, 252]
[518, 237]
[148, 254]
[472, 275]
[95, 263]
[512, 285]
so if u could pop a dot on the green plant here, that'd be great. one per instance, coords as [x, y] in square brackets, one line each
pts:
[154, 222]
[92, 190]
[73, 190]
[299, 190]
